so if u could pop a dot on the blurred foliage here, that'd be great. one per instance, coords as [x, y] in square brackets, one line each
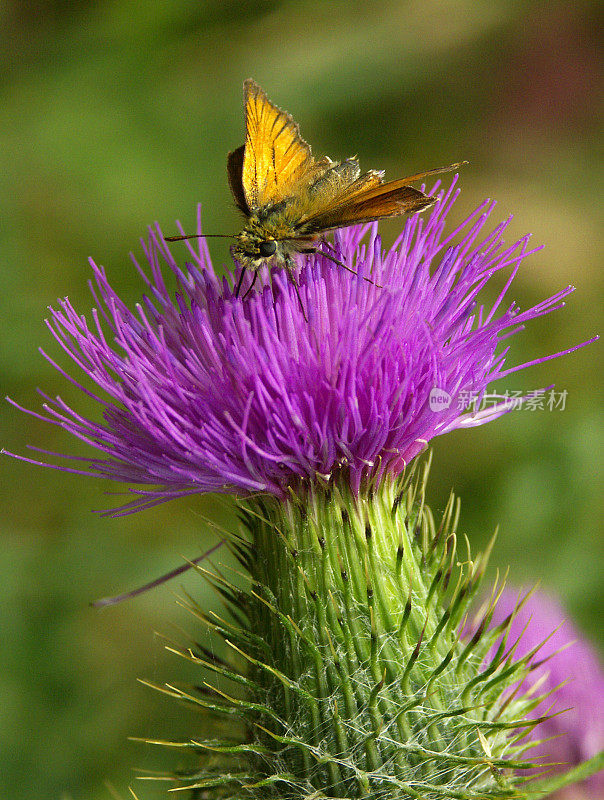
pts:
[117, 114]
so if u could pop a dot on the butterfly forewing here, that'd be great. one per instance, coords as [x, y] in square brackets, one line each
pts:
[276, 158]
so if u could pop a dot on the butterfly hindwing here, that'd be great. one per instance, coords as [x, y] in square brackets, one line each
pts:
[368, 198]
[385, 200]
[235, 175]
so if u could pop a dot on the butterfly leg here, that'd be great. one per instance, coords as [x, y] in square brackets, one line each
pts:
[251, 286]
[328, 244]
[289, 265]
[295, 282]
[240, 281]
[348, 269]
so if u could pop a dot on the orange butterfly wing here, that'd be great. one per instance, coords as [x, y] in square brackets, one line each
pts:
[275, 158]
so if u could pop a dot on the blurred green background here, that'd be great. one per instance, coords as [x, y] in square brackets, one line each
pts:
[116, 114]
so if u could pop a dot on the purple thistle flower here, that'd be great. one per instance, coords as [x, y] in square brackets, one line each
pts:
[568, 661]
[208, 392]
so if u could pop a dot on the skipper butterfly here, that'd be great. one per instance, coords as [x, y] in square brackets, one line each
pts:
[290, 199]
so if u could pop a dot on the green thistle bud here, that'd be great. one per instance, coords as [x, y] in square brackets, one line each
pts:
[346, 674]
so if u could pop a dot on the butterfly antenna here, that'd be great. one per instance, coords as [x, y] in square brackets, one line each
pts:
[348, 269]
[200, 236]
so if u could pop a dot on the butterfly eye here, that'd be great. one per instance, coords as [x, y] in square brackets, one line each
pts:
[267, 248]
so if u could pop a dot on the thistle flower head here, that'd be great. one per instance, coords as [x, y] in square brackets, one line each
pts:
[205, 391]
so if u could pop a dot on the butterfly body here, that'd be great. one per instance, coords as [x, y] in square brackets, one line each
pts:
[288, 222]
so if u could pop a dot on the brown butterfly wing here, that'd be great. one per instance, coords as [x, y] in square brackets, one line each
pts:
[275, 158]
[235, 174]
[368, 198]
[385, 200]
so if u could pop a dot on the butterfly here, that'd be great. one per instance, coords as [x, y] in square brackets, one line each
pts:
[290, 199]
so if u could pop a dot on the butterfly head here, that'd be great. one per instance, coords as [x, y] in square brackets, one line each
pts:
[254, 249]
[267, 239]
[254, 258]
